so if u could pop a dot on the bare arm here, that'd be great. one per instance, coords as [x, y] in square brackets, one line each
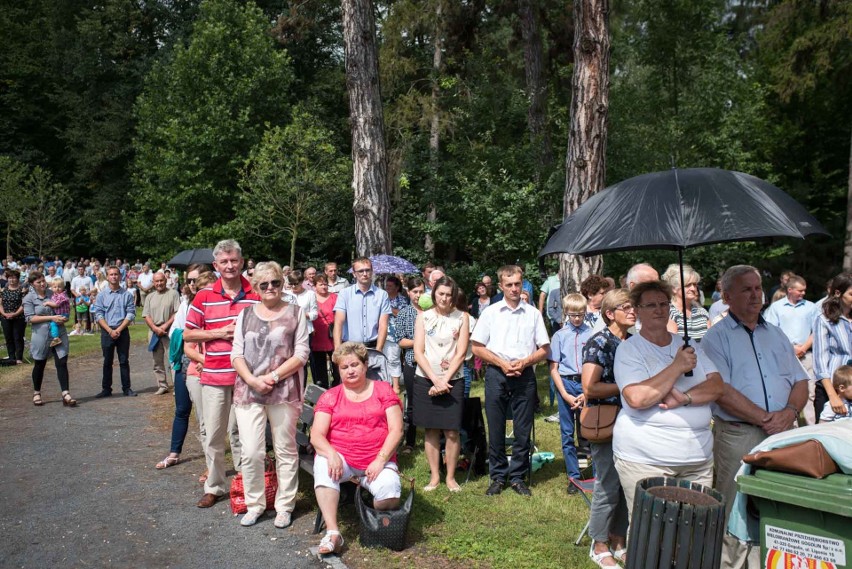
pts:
[339, 321]
[738, 405]
[592, 386]
[654, 389]
[780, 421]
[383, 331]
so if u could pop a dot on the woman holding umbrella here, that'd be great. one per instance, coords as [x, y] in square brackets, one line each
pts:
[697, 319]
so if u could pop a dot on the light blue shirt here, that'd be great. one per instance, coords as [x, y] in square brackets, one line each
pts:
[566, 348]
[832, 346]
[797, 321]
[363, 310]
[114, 306]
[760, 364]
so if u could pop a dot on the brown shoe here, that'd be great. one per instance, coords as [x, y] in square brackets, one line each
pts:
[208, 500]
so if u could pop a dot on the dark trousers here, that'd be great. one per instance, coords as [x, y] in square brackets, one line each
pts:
[501, 394]
[183, 407]
[408, 380]
[319, 369]
[110, 346]
[13, 331]
[61, 371]
[820, 399]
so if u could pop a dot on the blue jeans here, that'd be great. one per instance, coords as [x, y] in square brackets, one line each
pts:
[468, 378]
[183, 407]
[567, 419]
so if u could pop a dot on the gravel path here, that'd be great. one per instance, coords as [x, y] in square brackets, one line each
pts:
[78, 486]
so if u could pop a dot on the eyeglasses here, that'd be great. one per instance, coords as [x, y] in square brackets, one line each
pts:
[276, 284]
[626, 308]
[655, 305]
[363, 271]
[576, 315]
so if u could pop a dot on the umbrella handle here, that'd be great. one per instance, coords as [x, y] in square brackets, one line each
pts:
[683, 298]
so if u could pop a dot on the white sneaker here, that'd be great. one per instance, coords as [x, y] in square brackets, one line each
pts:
[283, 520]
[249, 519]
[552, 419]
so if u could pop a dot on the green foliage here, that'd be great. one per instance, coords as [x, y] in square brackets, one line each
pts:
[288, 182]
[47, 225]
[13, 179]
[202, 110]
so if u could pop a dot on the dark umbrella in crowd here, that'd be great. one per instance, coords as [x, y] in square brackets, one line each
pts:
[676, 209]
[391, 265]
[190, 257]
[29, 259]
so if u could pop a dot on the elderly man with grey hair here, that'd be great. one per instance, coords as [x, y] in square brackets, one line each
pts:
[211, 320]
[765, 389]
[641, 273]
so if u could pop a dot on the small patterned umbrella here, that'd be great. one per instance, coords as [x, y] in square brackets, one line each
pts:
[389, 264]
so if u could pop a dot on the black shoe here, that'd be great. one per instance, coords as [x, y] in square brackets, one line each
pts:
[573, 489]
[103, 394]
[495, 488]
[129, 393]
[521, 488]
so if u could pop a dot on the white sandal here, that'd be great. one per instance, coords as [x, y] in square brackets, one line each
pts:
[597, 558]
[327, 545]
[620, 554]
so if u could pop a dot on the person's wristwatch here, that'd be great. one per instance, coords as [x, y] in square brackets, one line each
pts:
[275, 377]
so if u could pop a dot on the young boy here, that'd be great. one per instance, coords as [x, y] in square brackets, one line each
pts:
[82, 307]
[61, 307]
[566, 364]
[842, 382]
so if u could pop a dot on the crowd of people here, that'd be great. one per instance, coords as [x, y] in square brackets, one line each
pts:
[242, 338]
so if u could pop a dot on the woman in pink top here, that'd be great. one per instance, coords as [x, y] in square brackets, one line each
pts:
[321, 343]
[357, 427]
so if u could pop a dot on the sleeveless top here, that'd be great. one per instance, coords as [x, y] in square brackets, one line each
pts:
[442, 337]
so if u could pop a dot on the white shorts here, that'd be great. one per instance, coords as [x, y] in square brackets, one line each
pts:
[386, 485]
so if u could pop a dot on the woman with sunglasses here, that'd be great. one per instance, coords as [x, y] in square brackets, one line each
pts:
[187, 386]
[269, 353]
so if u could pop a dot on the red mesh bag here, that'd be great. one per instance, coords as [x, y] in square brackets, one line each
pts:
[238, 500]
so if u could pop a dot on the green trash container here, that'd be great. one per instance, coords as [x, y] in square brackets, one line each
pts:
[804, 522]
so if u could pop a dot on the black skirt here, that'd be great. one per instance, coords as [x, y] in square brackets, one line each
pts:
[439, 412]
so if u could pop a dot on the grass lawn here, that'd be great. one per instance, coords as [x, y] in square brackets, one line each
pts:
[500, 532]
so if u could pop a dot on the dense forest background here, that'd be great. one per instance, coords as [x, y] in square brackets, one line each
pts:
[137, 128]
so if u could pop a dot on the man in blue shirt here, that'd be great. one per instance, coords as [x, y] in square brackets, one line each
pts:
[362, 312]
[114, 310]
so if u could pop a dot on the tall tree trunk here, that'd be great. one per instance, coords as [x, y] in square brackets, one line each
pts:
[369, 157]
[435, 122]
[536, 86]
[585, 163]
[847, 246]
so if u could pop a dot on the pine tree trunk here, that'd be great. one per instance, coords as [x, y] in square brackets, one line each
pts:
[435, 123]
[585, 163]
[536, 86]
[847, 245]
[369, 157]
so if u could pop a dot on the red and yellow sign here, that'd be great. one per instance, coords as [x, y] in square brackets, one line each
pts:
[776, 559]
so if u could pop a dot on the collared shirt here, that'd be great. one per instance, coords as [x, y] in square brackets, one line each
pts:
[832, 346]
[212, 308]
[338, 285]
[510, 334]
[114, 306]
[566, 348]
[760, 364]
[363, 311]
[796, 320]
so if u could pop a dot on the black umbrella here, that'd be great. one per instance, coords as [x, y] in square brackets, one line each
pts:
[676, 209]
[190, 257]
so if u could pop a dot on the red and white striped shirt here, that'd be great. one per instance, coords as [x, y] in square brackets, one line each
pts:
[212, 308]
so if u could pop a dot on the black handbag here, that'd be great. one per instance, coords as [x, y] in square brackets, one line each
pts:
[383, 528]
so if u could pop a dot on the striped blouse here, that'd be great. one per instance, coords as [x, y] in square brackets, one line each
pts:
[832, 345]
[698, 321]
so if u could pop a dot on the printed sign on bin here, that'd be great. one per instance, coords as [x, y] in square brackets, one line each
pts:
[789, 549]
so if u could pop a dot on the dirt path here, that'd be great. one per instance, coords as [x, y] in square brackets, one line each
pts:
[78, 486]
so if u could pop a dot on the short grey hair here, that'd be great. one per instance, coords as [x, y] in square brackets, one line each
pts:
[735, 272]
[633, 273]
[226, 246]
[672, 275]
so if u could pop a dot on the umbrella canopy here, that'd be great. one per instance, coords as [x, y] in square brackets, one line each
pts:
[676, 209]
[190, 257]
[389, 264]
[29, 259]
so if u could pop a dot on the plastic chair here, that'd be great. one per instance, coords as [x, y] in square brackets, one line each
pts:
[586, 488]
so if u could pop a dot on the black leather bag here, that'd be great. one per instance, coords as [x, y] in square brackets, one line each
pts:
[384, 528]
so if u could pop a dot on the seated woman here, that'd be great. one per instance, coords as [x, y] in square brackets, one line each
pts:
[663, 428]
[357, 427]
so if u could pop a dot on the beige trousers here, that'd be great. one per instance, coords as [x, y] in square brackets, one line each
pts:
[219, 419]
[630, 473]
[193, 385]
[252, 424]
[162, 368]
[730, 442]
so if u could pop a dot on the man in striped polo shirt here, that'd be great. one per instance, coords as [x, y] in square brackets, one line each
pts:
[211, 320]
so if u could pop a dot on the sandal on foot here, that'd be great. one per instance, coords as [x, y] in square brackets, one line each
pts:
[167, 462]
[430, 487]
[328, 546]
[37, 399]
[454, 488]
[597, 558]
[620, 554]
[68, 401]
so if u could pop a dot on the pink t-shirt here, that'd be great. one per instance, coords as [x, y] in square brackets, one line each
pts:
[358, 430]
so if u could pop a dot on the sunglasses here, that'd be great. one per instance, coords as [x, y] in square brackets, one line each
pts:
[190, 281]
[276, 284]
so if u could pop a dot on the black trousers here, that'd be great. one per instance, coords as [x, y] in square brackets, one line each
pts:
[13, 331]
[110, 346]
[319, 369]
[61, 371]
[408, 380]
[501, 394]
